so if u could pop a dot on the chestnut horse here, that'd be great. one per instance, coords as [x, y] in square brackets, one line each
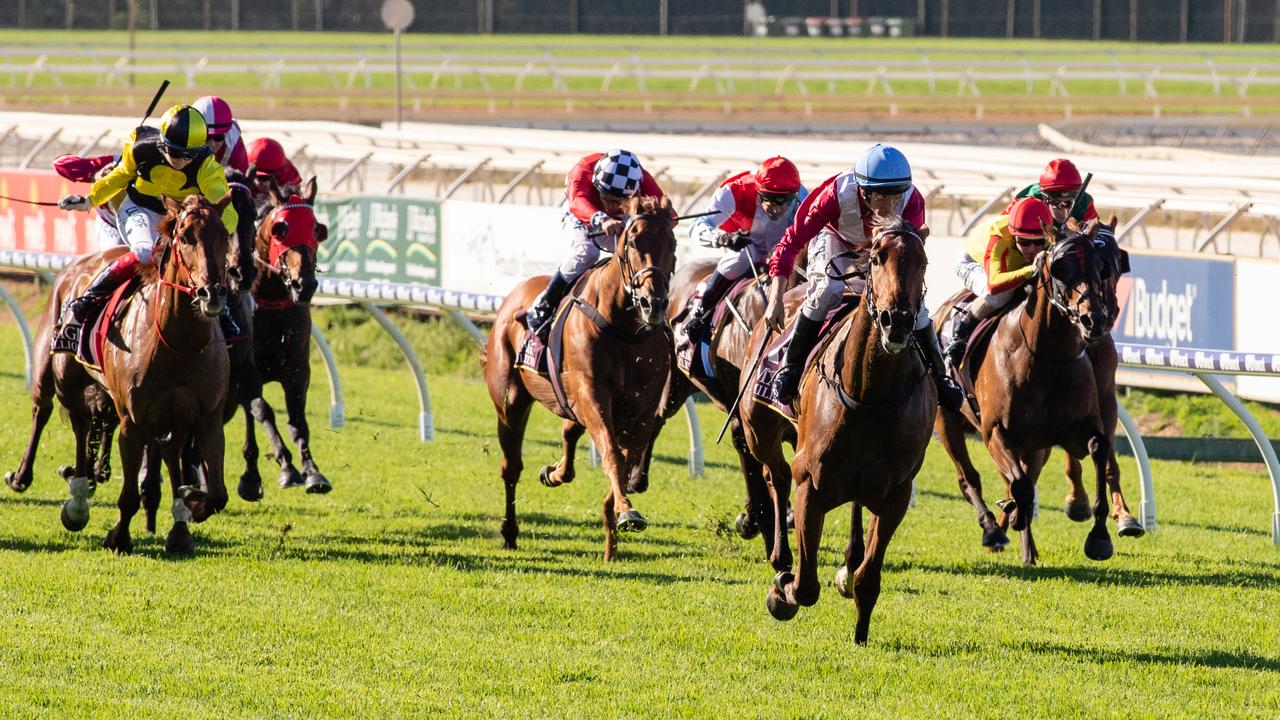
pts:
[617, 360]
[1036, 389]
[168, 373]
[287, 241]
[862, 428]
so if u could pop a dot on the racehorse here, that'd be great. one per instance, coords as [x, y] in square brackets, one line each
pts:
[1035, 389]
[863, 424]
[168, 374]
[287, 241]
[616, 363]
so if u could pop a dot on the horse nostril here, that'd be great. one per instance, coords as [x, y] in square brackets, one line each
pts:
[886, 318]
[1087, 321]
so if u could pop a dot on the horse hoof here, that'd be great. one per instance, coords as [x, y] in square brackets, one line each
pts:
[775, 599]
[291, 478]
[1098, 546]
[1079, 510]
[318, 484]
[841, 582]
[250, 488]
[544, 475]
[180, 542]
[75, 515]
[632, 521]
[746, 526]
[994, 539]
[1130, 527]
[119, 543]
[11, 479]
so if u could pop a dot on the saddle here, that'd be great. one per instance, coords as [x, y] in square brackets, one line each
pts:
[86, 341]
[973, 349]
[696, 360]
[775, 356]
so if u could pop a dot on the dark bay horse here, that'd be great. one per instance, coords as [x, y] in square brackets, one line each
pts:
[287, 241]
[1036, 389]
[168, 373]
[863, 425]
[617, 360]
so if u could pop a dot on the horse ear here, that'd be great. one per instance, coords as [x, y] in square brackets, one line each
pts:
[173, 206]
[1111, 221]
[310, 190]
[250, 171]
[279, 229]
[1050, 233]
[664, 203]
[322, 232]
[223, 203]
[923, 232]
[273, 188]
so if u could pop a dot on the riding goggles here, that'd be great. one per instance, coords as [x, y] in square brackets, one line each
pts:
[774, 198]
[1065, 199]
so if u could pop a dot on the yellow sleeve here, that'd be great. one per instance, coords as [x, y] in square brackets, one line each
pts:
[117, 180]
[212, 180]
[1005, 266]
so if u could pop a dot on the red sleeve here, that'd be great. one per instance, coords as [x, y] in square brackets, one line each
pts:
[914, 211]
[820, 209]
[239, 158]
[584, 199]
[1090, 213]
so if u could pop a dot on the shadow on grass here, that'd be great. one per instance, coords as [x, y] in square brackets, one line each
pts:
[1107, 576]
[1224, 659]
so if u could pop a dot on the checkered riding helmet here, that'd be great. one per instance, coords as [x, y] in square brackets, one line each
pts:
[618, 173]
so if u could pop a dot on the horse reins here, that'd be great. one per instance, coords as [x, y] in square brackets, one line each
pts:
[170, 248]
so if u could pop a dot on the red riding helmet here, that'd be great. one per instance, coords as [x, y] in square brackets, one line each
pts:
[1029, 217]
[778, 175]
[268, 158]
[217, 114]
[1059, 175]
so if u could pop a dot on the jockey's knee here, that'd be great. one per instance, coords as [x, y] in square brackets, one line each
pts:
[822, 295]
[142, 251]
[732, 267]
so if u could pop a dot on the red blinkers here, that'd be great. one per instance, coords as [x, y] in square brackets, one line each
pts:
[292, 225]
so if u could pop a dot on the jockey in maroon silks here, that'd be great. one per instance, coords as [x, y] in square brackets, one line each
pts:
[839, 214]
[596, 191]
[750, 214]
[224, 133]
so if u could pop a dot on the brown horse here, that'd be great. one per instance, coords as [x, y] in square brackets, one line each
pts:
[1035, 388]
[617, 359]
[862, 430]
[167, 372]
[287, 240]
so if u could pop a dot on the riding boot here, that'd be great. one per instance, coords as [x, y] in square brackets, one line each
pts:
[787, 381]
[96, 295]
[544, 307]
[962, 325]
[230, 328]
[950, 396]
[698, 326]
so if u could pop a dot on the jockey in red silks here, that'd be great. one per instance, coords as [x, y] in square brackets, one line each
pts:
[595, 193]
[224, 133]
[1059, 184]
[751, 213]
[88, 170]
[268, 159]
[838, 214]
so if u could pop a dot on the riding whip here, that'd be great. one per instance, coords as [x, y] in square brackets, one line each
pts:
[164, 85]
[768, 335]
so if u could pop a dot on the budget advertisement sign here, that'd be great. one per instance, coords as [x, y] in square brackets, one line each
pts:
[1177, 301]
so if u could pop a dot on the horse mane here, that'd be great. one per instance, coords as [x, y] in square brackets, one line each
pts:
[648, 205]
[883, 227]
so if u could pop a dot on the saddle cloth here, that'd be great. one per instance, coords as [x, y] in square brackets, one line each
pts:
[775, 356]
[696, 359]
[86, 341]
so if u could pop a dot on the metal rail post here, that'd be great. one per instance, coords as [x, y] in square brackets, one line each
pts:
[337, 411]
[1147, 507]
[695, 438]
[26, 334]
[426, 423]
[1259, 437]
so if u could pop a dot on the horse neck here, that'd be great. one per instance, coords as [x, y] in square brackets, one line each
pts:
[872, 375]
[611, 298]
[1047, 330]
[269, 284]
[183, 327]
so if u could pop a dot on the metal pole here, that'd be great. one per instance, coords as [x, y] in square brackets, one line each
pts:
[398, 81]
[1035, 19]
[573, 17]
[1259, 438]
[1008, 19]
[920, 8]
[208, 14]
[71, 13]
[319, 15]
[426, 423]
[1244, 13]
[133, 36]
[296, 14]
[1133, 20]
[1097, 19]
[26, 333]
[337, 412]
[1184, 13]
[1147, 506]
[695, 438]
[235, 14]
[22, 13]
[946, 17]
[663, 20]
[155, 15]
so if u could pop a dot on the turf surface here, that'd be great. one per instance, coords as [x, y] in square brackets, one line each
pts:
[393, 598]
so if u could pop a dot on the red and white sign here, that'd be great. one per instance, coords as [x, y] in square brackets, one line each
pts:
[42, 228]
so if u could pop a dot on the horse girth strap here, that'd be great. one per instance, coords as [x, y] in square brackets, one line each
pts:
[605, 326]
[841, 340]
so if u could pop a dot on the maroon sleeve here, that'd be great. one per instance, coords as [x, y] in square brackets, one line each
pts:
[914, 211]
[820, 209]
[584, 199]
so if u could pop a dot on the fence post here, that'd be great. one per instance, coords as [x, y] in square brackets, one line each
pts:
[1147, 506]
[337, 411]
[426, 422]
[26, 333]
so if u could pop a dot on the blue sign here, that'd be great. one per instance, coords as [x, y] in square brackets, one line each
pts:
[1177, 302]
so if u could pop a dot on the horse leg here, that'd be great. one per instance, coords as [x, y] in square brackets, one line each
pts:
[512, 419]
[266, 417]
[621, 516]
[609, 516]
[866, 581]
[42, 389]
[212, 443]
[854, 551]
[295, 403]
[1097, 546]
[179, 540]
[950, 430]
[778, 477]
[638, 479]
[562, 472]
[1077, 500]
[1021, 488]
[789, 592]
[758, 517]
[75, 511]
[131, 452]
[102, 465]
[250, 486]
[149, 484]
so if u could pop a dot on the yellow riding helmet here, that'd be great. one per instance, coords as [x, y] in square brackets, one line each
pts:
[183, 130]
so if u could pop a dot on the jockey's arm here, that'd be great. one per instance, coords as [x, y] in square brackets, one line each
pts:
[816, 212]
[581, 193]
[114, 182]
[212, 181]
[1005, 266]
[706, 230]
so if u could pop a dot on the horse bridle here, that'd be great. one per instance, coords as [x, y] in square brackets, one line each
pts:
[633, 278]
[1059, 291]
[269, 219]
[882, 316]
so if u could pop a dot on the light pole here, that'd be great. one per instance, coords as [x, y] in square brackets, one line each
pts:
[397, 15]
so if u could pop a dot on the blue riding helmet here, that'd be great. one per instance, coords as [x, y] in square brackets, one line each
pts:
[883, 169]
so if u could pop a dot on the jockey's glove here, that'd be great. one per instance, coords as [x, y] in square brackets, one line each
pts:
[597, 220]
[75, 202]
[734, 241]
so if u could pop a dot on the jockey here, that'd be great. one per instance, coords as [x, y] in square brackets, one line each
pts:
[751, 213]
[1059, 184]
[839, 214]
[268, 159]
[224, 133]
[1007, 247]
[596, 189]
[174, 162]
[87, 170]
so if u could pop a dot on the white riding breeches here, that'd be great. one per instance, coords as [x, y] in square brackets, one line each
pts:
[823, 291]
[974, 277]
[140, 227]
[105, 228]
[584, 251]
